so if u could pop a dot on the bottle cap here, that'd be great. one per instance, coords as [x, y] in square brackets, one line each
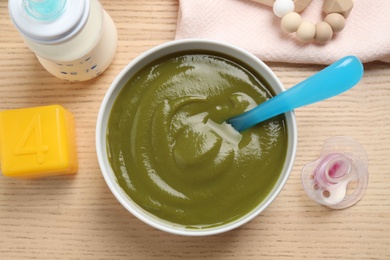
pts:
[49, 21]
[338, 178]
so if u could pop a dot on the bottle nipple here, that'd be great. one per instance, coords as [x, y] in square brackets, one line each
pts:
[44, 10]
[339, 177]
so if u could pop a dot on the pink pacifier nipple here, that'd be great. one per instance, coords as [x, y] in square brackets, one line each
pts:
[339, 177]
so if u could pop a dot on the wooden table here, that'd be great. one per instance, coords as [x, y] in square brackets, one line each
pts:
[77, 217]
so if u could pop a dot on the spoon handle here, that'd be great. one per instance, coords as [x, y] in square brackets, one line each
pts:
[331, 81]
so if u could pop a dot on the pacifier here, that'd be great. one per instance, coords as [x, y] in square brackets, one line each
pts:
[339, 177]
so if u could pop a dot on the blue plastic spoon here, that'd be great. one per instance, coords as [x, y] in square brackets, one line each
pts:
[331, 81]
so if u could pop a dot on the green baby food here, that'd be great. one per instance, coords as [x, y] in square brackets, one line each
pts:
[171, 151]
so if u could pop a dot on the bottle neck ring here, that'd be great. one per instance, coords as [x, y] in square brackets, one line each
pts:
[49, 21]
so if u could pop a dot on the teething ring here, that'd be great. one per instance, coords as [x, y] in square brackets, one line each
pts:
[336, 12]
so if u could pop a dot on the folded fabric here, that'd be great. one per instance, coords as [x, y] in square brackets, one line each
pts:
[254, 27]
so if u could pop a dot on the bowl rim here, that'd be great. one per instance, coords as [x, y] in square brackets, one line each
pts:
[118, 84]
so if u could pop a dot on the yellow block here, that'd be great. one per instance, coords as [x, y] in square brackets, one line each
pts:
[37, 142]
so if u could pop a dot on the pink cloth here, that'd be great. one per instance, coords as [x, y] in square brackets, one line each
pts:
[254, 27]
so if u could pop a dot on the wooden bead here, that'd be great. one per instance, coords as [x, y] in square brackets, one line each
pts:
[265, 2]
[343, 7]
[290, 22]
[336, 21]
[301, 5]
[323, 32]
[306, 31]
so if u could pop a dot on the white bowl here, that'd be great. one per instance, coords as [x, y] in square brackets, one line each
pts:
[150, 56]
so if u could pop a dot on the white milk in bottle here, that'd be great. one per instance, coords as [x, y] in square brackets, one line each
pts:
[74, 40]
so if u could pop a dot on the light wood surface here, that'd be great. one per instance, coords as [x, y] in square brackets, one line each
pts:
[77, 217]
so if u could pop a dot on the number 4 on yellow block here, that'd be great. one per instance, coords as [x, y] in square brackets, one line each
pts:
[33, 130]
[37, 142]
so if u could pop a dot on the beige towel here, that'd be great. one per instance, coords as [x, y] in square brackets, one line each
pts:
[254, 27]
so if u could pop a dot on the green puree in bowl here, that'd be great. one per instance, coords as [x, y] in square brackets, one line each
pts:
[169, 150]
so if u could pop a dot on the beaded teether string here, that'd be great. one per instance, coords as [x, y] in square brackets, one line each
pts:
[336, 12]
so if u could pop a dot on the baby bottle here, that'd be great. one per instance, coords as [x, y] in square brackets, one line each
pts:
[73, 39]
